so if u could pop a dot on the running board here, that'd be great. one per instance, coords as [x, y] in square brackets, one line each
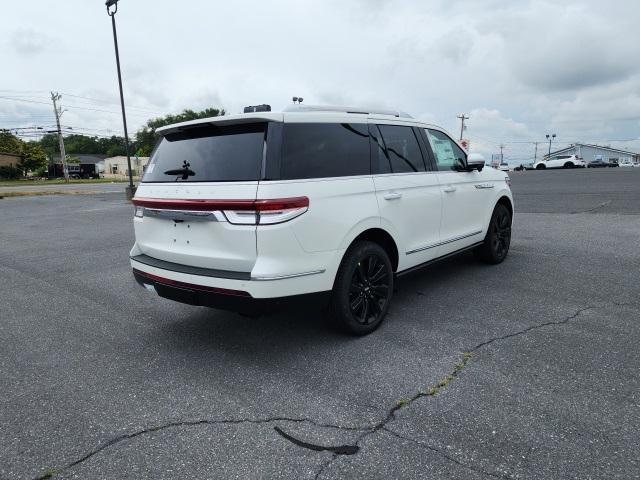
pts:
[436, 260]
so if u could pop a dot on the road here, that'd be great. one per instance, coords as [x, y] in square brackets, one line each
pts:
[61, 187]
[102, 379]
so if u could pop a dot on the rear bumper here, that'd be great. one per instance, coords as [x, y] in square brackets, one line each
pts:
[225, 299]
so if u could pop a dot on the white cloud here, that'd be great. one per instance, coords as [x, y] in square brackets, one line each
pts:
[521, 68]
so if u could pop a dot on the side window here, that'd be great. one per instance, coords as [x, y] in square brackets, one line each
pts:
[320, 150]
[398, 150]
[449, 156]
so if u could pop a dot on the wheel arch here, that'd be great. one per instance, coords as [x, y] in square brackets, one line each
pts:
[382, 238]
[506, 201]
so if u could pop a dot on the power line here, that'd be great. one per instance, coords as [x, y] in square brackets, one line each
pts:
[69, 106]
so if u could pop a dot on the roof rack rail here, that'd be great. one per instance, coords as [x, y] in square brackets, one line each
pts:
[342, 109]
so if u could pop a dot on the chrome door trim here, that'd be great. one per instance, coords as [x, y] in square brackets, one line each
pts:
[484, 185]
[451, 240]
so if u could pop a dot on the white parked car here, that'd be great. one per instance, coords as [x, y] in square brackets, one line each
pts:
[626, 162]
[504, 166]
[251, 211]
[560, 161]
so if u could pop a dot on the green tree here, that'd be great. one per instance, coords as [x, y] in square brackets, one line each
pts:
[33, 157]
[146, 137]
[49, 143]
[72, 159]
[9, 143]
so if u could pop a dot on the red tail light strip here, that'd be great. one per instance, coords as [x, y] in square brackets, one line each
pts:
[190, 286]
[208, 205]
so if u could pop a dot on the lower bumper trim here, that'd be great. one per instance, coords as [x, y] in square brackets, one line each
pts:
[225, 299]
[189, 286]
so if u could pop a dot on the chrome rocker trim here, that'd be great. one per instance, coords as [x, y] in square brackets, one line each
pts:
[455, 239]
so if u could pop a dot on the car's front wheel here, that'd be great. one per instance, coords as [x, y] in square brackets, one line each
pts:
[496, 243]
[362, 290]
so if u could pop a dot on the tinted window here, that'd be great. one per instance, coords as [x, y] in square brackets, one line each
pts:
[449, 156]
[317, 150]
[397, 149]
[211, 153]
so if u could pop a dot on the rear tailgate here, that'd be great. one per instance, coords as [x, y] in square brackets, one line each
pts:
[178, 234]
[194, 175]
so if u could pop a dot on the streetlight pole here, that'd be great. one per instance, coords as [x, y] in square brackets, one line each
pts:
[550, 137]
[131, 190]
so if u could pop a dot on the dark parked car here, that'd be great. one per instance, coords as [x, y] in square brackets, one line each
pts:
[613, 162]
[597, 164]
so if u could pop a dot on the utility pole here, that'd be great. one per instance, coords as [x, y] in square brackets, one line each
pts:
[58, 111]
[462, 118]
[502, 146]
[535, 154]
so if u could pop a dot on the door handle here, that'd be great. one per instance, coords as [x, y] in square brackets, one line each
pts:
[392, 196]
[449, 189]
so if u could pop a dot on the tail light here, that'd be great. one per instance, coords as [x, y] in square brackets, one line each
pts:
[237, 212]
[269, 212]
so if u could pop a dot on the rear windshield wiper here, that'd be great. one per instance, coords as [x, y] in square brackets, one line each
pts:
[185, 172]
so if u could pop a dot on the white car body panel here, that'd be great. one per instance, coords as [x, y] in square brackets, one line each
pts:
[427, 214]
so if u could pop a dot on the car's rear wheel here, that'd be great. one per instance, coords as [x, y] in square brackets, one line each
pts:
[498, 238]
[541, 167]
[362, 290]
[568, 165]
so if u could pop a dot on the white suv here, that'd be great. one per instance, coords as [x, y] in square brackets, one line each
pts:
[560, 161]
[250, 211]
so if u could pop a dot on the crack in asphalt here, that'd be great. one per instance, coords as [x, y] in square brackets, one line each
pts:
[391, 415]
[343, 449]
[127, 436]
[533, 327]
[593, 209]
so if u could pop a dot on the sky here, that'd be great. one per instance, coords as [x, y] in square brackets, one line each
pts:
[519, 69]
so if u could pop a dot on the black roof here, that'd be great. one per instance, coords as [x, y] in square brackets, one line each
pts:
[84, 157]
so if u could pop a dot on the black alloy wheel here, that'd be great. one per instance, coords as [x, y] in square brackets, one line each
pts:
[369, 289]
[363, 289]
[501, 237]
[498, 238]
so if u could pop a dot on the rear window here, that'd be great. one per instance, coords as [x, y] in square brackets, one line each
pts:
[209, 154]
[320, 150]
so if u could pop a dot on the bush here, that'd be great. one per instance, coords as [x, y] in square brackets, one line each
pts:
[9, 172]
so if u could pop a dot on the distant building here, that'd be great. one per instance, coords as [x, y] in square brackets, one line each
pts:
[597, 152]
[89, 165]
[117, 166]
[9, 159]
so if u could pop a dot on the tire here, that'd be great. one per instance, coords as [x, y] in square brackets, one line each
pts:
[568, 165]
[498, 238]
[362, 290]
[541, 167]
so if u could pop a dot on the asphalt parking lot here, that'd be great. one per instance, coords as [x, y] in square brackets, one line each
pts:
[528, 369]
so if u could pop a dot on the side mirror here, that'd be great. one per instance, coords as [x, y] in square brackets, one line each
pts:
[475, 161]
